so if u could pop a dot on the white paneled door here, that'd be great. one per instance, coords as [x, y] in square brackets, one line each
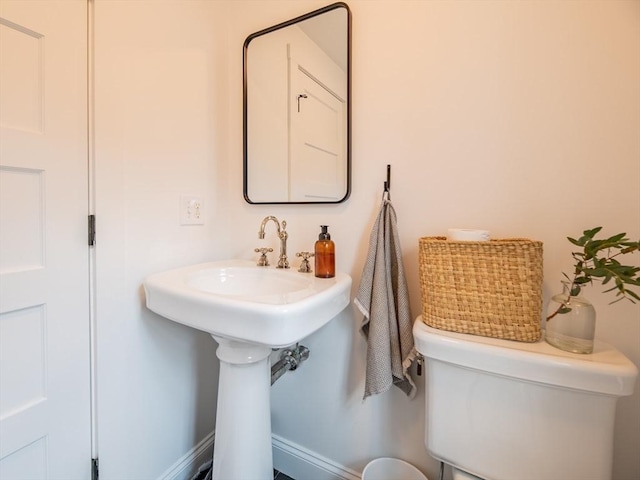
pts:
[45, 420]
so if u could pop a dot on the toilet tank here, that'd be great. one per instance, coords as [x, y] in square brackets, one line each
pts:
[506, 410]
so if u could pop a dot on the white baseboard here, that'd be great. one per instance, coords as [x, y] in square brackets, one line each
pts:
[288, 457]
[301, 463]
[188, 464]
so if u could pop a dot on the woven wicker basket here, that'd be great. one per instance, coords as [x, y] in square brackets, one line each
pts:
[489, 288]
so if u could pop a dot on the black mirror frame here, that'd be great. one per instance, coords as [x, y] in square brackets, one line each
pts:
[288, 23]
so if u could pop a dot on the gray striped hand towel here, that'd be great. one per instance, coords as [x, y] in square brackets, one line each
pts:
[383, 299]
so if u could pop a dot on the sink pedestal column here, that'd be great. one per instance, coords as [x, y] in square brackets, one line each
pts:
[242, 446]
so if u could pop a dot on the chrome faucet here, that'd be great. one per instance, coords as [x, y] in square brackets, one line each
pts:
[283, 262]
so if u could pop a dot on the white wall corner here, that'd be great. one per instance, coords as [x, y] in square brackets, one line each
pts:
[187, 465]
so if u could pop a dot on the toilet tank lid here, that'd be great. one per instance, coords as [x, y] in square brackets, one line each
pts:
[605, 371]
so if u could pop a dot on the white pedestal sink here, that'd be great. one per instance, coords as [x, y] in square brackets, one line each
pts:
[248, 310]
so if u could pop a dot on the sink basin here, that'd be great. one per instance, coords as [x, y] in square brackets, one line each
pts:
[251, 284]
[238, 300]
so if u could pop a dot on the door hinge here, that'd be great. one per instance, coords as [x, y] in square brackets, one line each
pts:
[92, 230]
[94, 469]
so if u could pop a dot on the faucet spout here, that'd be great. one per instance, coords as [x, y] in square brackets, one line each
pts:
[283, 261]
[264, 224]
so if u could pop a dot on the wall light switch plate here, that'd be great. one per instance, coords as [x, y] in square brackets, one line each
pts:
[191, 210]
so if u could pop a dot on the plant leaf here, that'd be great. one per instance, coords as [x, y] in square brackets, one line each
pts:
[616, 238]
[592, 233]
[634, 295]
[575, 242]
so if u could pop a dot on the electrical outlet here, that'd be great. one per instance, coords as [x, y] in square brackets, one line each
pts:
[191, 210]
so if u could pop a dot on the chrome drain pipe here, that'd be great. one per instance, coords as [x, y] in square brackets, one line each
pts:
[290, 358]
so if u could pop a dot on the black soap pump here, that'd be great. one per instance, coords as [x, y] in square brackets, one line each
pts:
[325, 255]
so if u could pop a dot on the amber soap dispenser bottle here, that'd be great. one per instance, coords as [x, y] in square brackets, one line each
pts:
[325, 255]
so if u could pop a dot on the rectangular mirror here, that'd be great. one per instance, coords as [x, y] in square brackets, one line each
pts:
[297, 111]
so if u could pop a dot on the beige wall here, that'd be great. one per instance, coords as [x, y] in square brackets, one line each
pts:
[519, 117]
[159, 133]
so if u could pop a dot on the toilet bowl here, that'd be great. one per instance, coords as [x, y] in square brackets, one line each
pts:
[505, 410]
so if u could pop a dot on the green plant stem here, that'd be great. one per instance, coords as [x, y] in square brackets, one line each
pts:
[556, 312]
[564, 304]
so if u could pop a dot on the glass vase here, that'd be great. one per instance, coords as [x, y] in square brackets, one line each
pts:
[571, 323]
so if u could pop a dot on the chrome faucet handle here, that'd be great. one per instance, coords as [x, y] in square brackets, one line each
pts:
[263, 261]
[304, 266]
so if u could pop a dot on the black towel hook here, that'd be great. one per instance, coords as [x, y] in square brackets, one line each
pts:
[387, 184]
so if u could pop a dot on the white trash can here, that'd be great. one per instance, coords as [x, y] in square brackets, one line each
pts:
[391, 469]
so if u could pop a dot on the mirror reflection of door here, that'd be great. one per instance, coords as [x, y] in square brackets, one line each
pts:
[291, 156]
[317, 132]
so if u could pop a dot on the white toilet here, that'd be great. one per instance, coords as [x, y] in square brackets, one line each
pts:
[506, 410]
